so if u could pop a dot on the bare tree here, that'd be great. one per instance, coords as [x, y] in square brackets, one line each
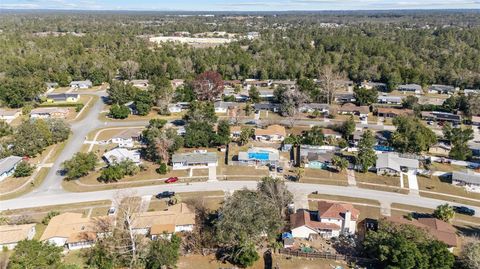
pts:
[129, 69]
[329, 82]
[162, 145]
[208, 86]
[276, 192]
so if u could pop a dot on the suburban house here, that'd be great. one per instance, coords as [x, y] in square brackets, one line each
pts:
[442, 89]
[344, 97]
[177, 107]
[181, 161]
[175, 219]
[390, 163]
[82, 84]
[49, 112]
[117, 155]
[241, 96]
[290, 84]
[374, 85]
[248, 83]
[410, 88]
[259, 156]
[389, 99]
[440, 230]
[351, 109]
[139, 83]
[441, 149]
[232, 83]
[316, 157]
[267, 107]
[8, 165]
[126, 138]
[177, 83]
[345, 85]
[441, 117]
[265, 94]
[223, 107]
[470, 180]
[10, 235]
[330, 220]
[474, 147]
[475, 120]
[8, 115]
[271, 133]
[324, 109]
[51, 85]
[63, 97]
[390, 112]
[72, 230]
[331, 133]
[235, 131]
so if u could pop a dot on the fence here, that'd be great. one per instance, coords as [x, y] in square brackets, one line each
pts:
[324, 255]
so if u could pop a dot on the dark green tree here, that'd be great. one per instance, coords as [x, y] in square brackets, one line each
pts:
[366, 156]
[35, 254]
[119, 111]
[365, 97]
[163, 253]
[23, 169]
[80, 165]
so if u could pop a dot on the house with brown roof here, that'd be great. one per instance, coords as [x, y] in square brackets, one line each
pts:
[71, 230]
[10, 235]
[438, 229]
[271, 133]
[390, 112]
[330, 220]
[177, 218]
[331, 133]
[351, 109]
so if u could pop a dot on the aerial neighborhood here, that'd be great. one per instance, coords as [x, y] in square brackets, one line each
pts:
[170, 148]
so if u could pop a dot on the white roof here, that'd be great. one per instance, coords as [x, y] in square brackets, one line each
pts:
[121, 154]
[392, 161]
[8, 163]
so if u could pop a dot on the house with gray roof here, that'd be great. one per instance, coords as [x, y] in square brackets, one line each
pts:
[311, 107]
[81, 84]
[117, 155]
[411, 88]
[390, 163]
[389, 99]
[181, 161]
[442, 89]
[470, 180]
[8, 165]
[267, 107]
[63, 97]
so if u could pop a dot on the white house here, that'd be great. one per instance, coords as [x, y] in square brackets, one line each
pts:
[330, 220]
[390, 163]
[71, 230]
[81, 84]
[10, 235]
[8, 165]
[223, 107]
[49, 112]
[139, 83]
[182, 161]
[274, 133]
[411, 88]
[175, 108]
[389, 99]
[174, 219]
[126, 138]
[9, 115]
[442, 89]
[259, 156]
[121, 154]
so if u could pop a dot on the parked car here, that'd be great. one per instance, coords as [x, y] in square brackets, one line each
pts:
[165, 194]
[272, 167]
[171, 180]
[112, 210]
[280, 169]
[464, 210]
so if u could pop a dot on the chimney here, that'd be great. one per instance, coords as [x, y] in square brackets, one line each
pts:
[346, 223]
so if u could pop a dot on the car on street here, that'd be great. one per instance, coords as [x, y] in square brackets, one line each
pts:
[111, 211]
[464, 210]
[171, 180]
[165, 194]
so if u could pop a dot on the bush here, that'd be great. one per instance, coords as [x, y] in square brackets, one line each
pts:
[49, 216]
[162, 170]
[119, 112]
[78, 107]
[23, 169]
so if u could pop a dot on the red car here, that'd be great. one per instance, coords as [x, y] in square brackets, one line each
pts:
[171, 180]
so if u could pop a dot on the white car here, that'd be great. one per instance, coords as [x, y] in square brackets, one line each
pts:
[111, 211]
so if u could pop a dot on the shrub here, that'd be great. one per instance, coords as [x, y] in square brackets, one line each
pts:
[23, 169]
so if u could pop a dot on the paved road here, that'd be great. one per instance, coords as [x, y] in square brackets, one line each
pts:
[300, 189]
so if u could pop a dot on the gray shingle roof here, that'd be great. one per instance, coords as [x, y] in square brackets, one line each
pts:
[192, 158]
[6, 164]
[392, 161]
[471, 178]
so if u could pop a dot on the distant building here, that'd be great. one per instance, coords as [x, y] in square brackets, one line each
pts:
[259, 156]
[289, 84]
[139, 83]
[235, 131]
[351, 109]
[344, 97]
[175, 108]
[177, 83]
[10, 235]
[126, 138]
[223, 107]
[317, 157]
[82, 84]
[389, 112]
[470, 180]
[475, 120]
[442, 89]
[51, 85]
[117, 155]
[389, 99]
[253, 35]
[248, 83]
[390, 163]
[63, 97]
[49, 112]
[182, 161]
[267, 107]
[441, 149]
[8, 165]
[274, 133]
[374, 85]
[330, 220]
[175, 219]
[441, 117]
[324, 109]
[410, 88]
[9, 115]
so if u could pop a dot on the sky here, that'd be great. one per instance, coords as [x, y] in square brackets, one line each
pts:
[239, 5]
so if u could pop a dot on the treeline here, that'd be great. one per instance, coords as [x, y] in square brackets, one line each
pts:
[370, 51]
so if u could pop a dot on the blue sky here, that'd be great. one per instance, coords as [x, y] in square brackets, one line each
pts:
[239, 5]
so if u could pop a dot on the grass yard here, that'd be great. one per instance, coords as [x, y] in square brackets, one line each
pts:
[210, 199]
[371, 177]
[321, 176]
[42, 173]
[76, 257]
[449, 198]
[366, 211]
[436, 184]
[445, 167]
[347, 199]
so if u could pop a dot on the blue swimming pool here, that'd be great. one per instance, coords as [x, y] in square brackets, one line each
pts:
[384, 148]
[262, 156]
